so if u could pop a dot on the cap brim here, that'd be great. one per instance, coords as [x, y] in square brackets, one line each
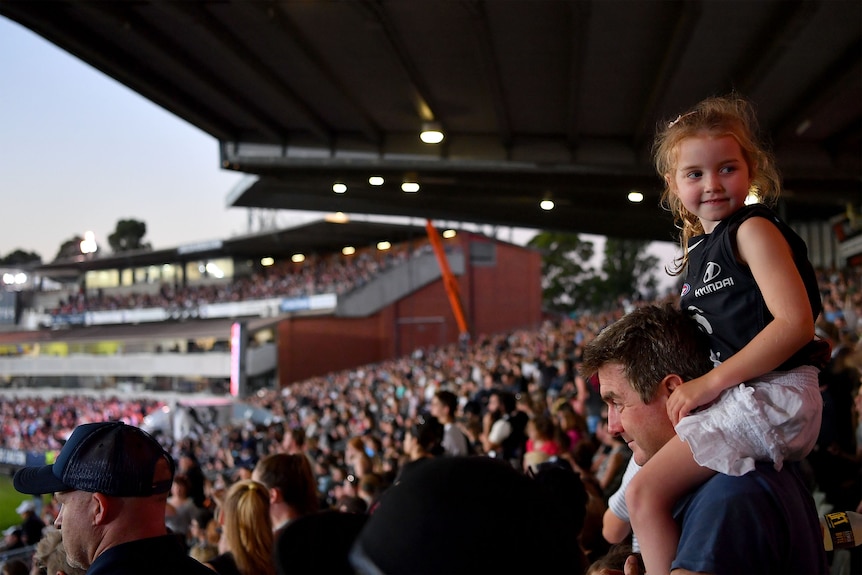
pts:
[38, 480]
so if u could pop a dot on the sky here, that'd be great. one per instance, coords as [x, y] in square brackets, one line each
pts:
[79, 151]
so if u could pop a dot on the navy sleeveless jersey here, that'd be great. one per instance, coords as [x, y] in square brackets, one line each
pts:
[720, 292]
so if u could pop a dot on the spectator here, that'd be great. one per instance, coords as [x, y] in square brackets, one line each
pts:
[611, 460]
[32, 526]
[423, 441]
[203, 536]
[50, 556]
[467, 515]
[356, 457]
[370, 488]
[616, 524]
[292, 487]
[504, 428]
[541, 435]
[112, 480]
[293, 441]
[572, 423]
[318, 543]
[180, 508]
[444, 406]
[731, 524]
[13, 538]
[246, 544]
[189, 467]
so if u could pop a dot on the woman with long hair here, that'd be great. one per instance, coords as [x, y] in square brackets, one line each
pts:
[246, 542]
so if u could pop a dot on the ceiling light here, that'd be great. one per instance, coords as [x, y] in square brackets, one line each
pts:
[410, 187]
[339, 188]
[337, 218]
[635, 197]
[348, 250]
[297, 258]
[432, 133]
[375, 180]
[266, 262]
[449, 234]
[547, 205]
[383, 246]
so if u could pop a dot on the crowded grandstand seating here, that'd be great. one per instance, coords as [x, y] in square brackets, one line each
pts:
[352, 424]
[318, 274]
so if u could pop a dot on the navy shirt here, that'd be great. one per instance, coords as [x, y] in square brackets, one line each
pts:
[156, 555]
[764, 522]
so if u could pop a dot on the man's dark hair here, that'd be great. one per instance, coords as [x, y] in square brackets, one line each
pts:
[298, 435]
[650, 343]
[507, 399]
[428, 433]
[291, 474]
[448, 399]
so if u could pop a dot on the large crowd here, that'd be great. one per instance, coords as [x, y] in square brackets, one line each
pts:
[360, 428]
[317, 274]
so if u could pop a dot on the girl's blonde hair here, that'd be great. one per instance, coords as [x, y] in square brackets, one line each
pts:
[248, 527]
[718, 116]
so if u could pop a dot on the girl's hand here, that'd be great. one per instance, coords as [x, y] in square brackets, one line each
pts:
[688, 397]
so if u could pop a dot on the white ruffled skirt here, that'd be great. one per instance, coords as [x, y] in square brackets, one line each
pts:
[776, 418]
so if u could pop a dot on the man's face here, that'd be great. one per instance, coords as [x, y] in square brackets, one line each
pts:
[438, 409]
[74, 521]
[435, 407]
[644, 427]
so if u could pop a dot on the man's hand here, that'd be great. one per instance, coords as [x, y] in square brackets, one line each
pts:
[688, 397]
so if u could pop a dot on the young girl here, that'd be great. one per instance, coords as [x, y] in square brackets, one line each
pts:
[750, 286]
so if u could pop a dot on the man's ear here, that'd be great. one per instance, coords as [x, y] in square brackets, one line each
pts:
[671, 382]
[102, 506]
[274, 495]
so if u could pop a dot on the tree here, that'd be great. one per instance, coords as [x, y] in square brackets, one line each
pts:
[70, 249]
[19, 257]
[569, 282]
[627, 271]
[128, 236]
[565, 269]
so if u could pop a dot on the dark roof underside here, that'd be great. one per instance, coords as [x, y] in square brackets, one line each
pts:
[538, 99]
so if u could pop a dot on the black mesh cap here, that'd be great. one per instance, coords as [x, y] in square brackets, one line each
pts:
[109, 457]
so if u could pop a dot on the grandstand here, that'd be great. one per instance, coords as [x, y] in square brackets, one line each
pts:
[536, 105]
[161, 320]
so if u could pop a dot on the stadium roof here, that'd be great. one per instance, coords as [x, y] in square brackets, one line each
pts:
[555, 99]
[320, 236]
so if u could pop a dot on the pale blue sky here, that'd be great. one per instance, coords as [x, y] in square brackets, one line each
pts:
[80, 151]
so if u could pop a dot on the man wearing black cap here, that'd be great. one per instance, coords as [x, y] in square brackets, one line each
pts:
[112, 481]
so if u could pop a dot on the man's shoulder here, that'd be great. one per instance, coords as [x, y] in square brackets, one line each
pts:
[762, 522]
[160, 554]
[764, 479]
[764, 486]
